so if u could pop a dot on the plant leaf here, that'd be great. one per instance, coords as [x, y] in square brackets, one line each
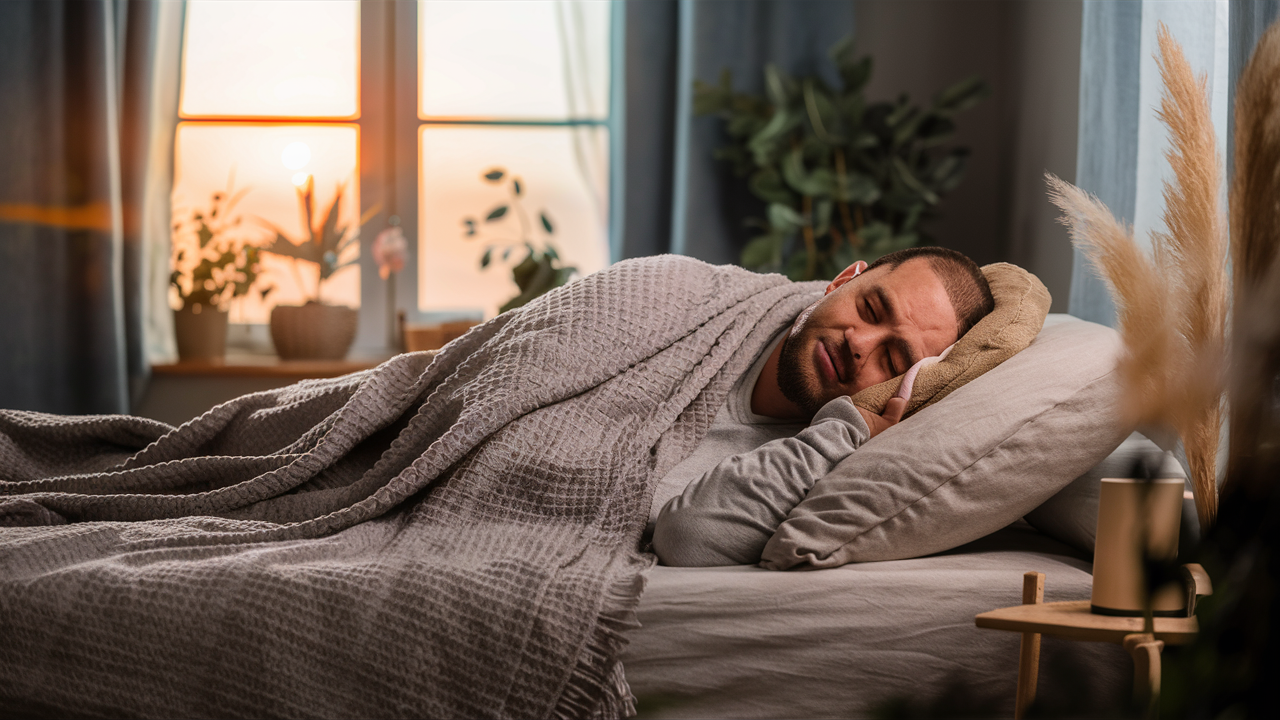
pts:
[487, 257]
[496, 213]
[329, 235]
[767, 185]
[762, 252]
[764, 143]
[910, 181]
[204, 233]
[281, 245]
[546, 223]
[858, 188]
[495, 174]
[820, 182]
[854, 71]
[823, 117]
[822, 217]
[779, 87]
[961, 96]
[783, 217]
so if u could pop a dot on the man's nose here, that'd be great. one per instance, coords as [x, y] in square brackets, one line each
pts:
[861, 341]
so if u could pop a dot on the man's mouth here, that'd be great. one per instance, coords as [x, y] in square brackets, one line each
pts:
[827, 363]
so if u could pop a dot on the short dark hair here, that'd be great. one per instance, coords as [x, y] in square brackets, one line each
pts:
[966, 286]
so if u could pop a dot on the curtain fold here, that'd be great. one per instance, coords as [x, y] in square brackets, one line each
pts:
[678, 197]
[1248, 20]
[86, 133]
[1120, 156]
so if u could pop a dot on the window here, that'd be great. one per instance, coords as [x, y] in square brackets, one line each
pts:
[521, 86]
[402, 106]
[268, 93]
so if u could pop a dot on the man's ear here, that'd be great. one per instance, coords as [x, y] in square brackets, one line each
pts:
[848, 274]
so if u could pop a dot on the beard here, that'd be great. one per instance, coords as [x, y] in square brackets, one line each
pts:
[796, 377]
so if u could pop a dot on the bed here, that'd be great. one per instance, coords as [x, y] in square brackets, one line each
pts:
[457, 536]
[741, 641]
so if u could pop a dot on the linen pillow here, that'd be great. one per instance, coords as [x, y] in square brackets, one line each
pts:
[1071, 515]
[958, 470]
[1021, 303]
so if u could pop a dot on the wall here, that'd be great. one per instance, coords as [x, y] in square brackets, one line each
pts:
[1029, 52]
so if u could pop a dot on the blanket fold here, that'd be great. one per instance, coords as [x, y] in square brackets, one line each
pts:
[451, 536]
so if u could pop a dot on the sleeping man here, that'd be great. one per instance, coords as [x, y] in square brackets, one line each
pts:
[762, 453]
[464, 528]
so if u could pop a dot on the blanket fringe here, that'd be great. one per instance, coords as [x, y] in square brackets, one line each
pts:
[598, 687]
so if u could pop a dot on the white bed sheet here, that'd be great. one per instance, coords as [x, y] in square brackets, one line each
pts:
[745, 642]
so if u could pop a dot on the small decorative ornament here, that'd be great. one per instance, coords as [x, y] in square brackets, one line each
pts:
[389, 251]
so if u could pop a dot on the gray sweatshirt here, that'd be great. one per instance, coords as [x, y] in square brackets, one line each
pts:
[722, 504]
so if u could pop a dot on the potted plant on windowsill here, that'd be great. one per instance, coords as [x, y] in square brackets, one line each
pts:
[316, 330]
[540, 271]
[212, 265]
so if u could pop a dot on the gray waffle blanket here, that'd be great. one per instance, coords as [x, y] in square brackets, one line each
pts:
[455, 537]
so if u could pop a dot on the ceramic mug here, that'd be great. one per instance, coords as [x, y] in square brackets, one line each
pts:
[1128, 509]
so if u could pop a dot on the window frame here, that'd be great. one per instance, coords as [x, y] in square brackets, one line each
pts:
[407, 122]
[388, 124]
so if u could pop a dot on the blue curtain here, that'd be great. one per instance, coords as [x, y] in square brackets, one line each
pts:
[1107, 149]
[78, 189]
[675, 196]
[1120, 143]
[1248, 21]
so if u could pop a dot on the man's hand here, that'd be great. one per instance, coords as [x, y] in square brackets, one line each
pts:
[892, 414]
[897, 404]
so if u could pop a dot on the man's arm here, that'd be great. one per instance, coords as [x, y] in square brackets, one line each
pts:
[728, 515]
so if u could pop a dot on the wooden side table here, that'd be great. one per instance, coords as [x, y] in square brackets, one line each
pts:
[1073, 620]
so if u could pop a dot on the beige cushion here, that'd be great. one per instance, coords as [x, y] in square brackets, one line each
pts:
[961, 469]
[1021, 304]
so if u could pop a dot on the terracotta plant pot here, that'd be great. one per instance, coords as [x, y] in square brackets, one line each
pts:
[201, 332]
[313, 331]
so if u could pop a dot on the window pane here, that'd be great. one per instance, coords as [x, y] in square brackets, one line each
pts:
[514, 59]
[565, 183]
[263, 161]
[261, 58]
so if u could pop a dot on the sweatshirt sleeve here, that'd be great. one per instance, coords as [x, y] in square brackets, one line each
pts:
[728, 515]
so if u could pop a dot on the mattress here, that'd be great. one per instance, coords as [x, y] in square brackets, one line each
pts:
[864, 638]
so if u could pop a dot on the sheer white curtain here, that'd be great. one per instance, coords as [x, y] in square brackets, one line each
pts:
[1121, 142]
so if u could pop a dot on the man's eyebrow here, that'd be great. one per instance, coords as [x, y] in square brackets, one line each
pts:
[904, 349]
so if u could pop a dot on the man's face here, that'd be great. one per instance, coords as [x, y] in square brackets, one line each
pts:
[867, 329]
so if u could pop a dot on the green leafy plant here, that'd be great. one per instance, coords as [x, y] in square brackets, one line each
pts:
[540, 270]
[852, 179]
[212, 262]
[328, 246]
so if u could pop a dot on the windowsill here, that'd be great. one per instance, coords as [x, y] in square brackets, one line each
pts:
[260, 365]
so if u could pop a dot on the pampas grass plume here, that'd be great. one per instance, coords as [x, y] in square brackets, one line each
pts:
[1171, 307]
[1255, 227]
